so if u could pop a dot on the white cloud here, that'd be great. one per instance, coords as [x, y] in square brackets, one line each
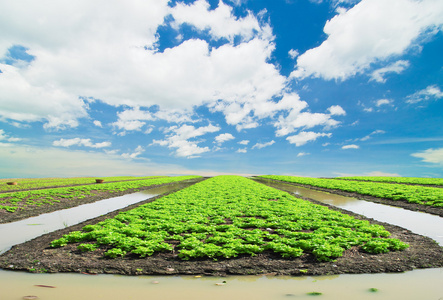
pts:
[293, 53]
[350, 147]
[224, 137]
[7, 138]
[132, 119]
[372, 31]
[134, 73]
[434, 156]
[22, 101]
[382, 102]
[179, 139]
[431, 92]
[98, 123]
[336, 110]
[300, 154]
[296, 120]
[263, 145]
[378, 131]
[139, 150]
[397, 67]
[220, 22]
[242, 150]
[305, 136]
[244, 142]
[80, 142]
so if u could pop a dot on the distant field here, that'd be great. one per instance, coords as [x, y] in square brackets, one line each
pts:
[18, 200]
[37, 183]
[408, 180]
[411, 193]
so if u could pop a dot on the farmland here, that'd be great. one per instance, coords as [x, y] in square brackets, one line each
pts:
[229, 224]
[419, 197]
[36, 201]
[229, 216]
[404, 180]
[39, 183]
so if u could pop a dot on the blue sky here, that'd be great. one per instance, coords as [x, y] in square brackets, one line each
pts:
[298, 87]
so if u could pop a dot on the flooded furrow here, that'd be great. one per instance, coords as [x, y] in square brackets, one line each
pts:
[418, 284]
[21, 231]
[417, 222]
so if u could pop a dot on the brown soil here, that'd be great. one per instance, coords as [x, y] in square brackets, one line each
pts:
[398, 203]
[37, 256]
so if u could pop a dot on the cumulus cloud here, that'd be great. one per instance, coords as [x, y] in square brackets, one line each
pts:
[224, 137]
[135, 73]
[7, 138]
[132, 119]
[305, 137]
[80, 142]
[98, 123]
[244, 142]
[372, 31]
[336, 110]
[352, 146]
[242, 150]
[179, 139]
[263, 145]
[429, 93]
[139, 150]
[434, 156]
[396, 67]
[293, 53]
[382, 102]
[219, 22]
[307, 120]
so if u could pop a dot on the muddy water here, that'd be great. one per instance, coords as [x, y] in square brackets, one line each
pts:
[417, 284]
[418, 222]
[21, 231]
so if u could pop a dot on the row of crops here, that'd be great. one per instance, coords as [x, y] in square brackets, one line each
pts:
[36, 183]
[12, 201]
[407, 180]
[411, 193]
[228, 216]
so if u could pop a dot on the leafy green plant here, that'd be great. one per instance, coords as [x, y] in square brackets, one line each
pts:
[229, 216]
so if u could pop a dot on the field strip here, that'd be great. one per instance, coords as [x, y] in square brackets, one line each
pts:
[426, 196]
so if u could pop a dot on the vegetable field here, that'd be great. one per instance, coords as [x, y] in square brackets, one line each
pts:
[411, 193]
[230, 216]
[38, 183]
[407, 180]
[13, 201]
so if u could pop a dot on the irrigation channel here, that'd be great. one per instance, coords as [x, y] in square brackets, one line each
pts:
[417, 284]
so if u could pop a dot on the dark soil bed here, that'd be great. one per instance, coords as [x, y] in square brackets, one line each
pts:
[398, 203]
[37, 256]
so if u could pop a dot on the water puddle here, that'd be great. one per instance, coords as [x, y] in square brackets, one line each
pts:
[417, 222]
[21, 231]
[418, 284]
